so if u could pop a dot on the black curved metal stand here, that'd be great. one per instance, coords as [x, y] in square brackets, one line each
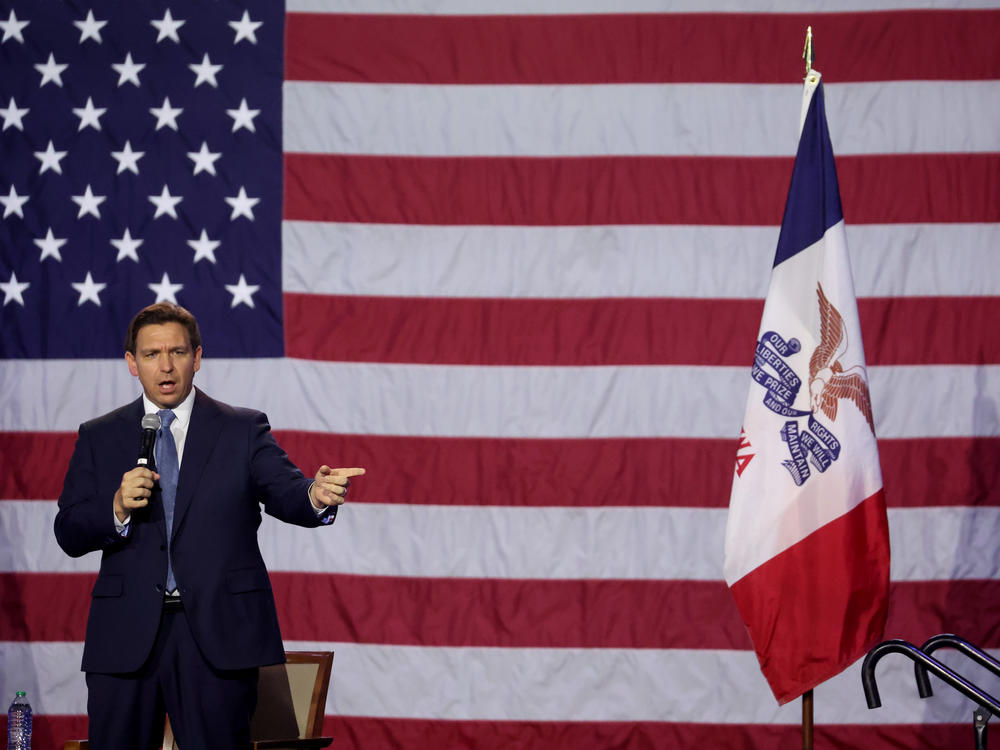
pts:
[947, 640]
[987, 705]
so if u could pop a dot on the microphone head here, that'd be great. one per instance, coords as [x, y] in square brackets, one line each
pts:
[151, 422]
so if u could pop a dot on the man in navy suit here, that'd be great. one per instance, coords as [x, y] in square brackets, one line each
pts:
[182, 613]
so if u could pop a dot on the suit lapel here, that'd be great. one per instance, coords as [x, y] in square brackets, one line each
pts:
[129, 426]
[201, 439]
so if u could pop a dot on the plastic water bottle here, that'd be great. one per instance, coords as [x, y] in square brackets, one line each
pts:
[19, 723]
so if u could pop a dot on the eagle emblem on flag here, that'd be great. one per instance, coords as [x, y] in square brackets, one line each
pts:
[829, 382]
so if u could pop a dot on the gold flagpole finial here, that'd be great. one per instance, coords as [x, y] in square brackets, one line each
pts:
[807, 50]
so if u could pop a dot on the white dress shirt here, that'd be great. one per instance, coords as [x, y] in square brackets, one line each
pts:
[178, 428]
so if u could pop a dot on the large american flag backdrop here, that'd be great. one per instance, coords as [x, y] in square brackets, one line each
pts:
[513, 262]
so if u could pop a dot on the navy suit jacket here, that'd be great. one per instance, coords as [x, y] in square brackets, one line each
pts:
[230, 467]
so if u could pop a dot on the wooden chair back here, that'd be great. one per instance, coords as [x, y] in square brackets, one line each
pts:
[291, 697]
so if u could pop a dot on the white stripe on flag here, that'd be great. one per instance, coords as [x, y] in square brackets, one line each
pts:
[681, 119]
[532, 402]
[535, 684]
[929, 544]
[700, 262]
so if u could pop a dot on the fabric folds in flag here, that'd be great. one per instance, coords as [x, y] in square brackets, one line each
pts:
[807, 537]
[511, 257]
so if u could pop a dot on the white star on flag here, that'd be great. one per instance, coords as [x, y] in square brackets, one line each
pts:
[242, 204]
[243, 116]
[12, 288]
[165, 203]
[12, 203]
[245, 28]
[50, 159]
[127, 158]
[165, 291]
[204, 160]
[128, 71]
[124, 175]
[90, 28]
[242, 292]
[12, 115]
[205, 72]
[89, 290]
[204, 248]
[12, 28]
[51, 71]
[168, 28]
[127, 247]
[89, 115]
[88, 203]
[50, 246]
[166, 115]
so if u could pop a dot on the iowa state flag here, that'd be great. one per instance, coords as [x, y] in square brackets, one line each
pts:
[807, 540]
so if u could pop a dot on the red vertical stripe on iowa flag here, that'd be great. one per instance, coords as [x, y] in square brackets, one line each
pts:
[805, 599]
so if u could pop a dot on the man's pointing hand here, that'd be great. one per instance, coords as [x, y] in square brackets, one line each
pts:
[330, 486]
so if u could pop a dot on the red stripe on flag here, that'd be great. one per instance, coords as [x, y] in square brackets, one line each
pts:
[35, 464]
[603, 190]
[644, 48]
[508, 613]
[911, 188]
[477, 331]
[817, 607]
[491, 613]
[365, 733]
[658, 472]
[513, 472]
[433, 612]
[534, 191]
[621, 331]
[930, 330]
[26, 606]
[921, 609]
[937, 471]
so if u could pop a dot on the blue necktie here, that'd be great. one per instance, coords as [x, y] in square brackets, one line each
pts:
[168, 467]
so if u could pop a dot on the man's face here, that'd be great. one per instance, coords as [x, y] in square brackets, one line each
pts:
[164, 363]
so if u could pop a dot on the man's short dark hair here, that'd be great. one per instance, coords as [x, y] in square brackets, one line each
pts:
[158, 314]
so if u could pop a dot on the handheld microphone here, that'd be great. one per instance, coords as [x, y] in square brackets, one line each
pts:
[150, 424]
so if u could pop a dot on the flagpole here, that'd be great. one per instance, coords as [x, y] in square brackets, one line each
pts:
[807, 720]
[807, 696]
[807, 50]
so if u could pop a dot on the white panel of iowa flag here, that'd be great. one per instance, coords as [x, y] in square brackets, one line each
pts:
[807, 541]
[514, 263]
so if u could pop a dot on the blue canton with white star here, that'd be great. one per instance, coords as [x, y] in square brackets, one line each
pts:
[140, 161]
